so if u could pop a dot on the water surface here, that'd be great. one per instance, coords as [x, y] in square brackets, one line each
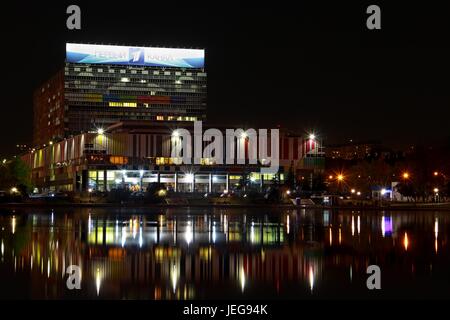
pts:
[207, 253]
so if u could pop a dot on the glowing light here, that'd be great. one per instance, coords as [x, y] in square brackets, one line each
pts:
[13, 224]
[353, 191]
[330, 177]
[189, 177]
[225, 226]
[2, 248]
[100, 131]
[141, 173]
[188, 235]
[252, 233]
[287, 224]
[383, 229]
[359, 224]
[288, 192]
[436, 173]
[436, 227]
[436, 232]
[125, 79]
[98, 281]
[175, 134]
[214, 236]
[340, 177]
[174, 276]
[48, 268]
[14, 190]
[252, 179]
[383, 192]
[311, 278]
[89, 224]
[124, 236]
[242, 278]
[330, 234]
[353, 226]
[162, 193]
[90, 190]
[406, 241]
[358, 193]
[244, 135]
[436, 190]
[405, 175]
[140, 237]
[312, 136]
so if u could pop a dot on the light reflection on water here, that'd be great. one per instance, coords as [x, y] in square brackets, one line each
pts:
[218, 253]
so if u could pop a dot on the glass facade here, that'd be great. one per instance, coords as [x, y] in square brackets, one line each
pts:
[100, 95]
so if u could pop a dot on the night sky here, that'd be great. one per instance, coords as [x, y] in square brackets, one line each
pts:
[302, 67]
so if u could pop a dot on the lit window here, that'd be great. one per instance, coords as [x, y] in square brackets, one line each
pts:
[160, 118]
[123, 104]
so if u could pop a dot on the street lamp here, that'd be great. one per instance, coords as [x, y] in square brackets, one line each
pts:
[436, 194]
[340, 177]
[100, 131]
[405, 175]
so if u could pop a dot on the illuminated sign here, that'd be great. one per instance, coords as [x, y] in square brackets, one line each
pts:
[136, 56]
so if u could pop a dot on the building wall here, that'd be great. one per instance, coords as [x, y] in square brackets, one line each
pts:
[48, 110]
[100, 95]
[82, 97]
[63, 162]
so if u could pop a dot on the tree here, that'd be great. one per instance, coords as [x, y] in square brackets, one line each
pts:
[15, 173]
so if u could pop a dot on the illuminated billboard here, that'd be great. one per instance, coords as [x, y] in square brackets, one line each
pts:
[136, 56]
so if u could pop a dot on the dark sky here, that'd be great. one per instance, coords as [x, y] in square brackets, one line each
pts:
[304, 67]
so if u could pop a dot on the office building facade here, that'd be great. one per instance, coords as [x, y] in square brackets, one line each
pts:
[100, 85]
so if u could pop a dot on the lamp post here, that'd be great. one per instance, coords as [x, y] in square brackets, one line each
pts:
[436, 194]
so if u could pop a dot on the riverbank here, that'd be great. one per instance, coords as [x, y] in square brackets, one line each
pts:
[396, 206]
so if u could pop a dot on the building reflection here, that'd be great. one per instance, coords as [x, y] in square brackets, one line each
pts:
[185, 255]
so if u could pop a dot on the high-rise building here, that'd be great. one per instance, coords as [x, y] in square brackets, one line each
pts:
[103, 84]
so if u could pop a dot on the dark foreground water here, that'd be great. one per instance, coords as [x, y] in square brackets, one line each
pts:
[223, 253]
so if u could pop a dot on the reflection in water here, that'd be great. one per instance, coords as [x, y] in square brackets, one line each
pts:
[13, 224]
[311, 278]
[406, 241]
[211, 253]
[98, 281]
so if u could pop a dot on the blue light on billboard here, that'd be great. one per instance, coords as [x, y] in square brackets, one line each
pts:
[137, 56]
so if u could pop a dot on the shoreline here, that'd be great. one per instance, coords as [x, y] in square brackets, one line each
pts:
[400, 207]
